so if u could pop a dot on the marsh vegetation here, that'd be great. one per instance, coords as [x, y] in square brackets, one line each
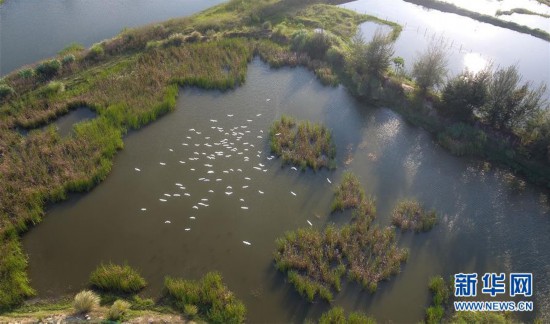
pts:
[410, 215]
[303, 143]
[117, 279]
[315, 261]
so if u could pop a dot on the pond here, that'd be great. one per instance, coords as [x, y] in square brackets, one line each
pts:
[485, 225]
[32, 30]
[64, 124]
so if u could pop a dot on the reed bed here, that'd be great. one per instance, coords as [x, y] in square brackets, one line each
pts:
[315, 261]
[304, 144]
[208, 298]
[410, 215]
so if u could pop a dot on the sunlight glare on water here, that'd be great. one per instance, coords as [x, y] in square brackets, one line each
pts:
[474, 62]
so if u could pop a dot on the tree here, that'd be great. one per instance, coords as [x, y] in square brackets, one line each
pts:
[509, 104]
[367, 62]
[430, 68]
[464, 94]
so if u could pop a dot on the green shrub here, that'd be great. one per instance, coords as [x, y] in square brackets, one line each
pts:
[267, 25]
[68, 59]
[117, 279]
[434, 314]
[26, 73]
[139, 303]
[175, 40]
[96, 51]
[5, 91]
[71, 49]
[462, 139]
[48, 69]
[315, 44]
[464, 94]
[53, 87]
[118, 310]
[85, 301]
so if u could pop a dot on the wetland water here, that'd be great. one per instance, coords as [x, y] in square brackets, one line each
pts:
[31, 30]
[485, 226]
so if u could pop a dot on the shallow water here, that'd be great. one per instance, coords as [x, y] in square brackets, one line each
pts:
[484, 224]
[31, 30]
[470, 44]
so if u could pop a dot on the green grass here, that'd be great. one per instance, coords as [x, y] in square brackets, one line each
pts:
[410, 215]
[302, 143]
[85, 301]
[336, 315]
[117, 279]
[209, 297]
[315, 261]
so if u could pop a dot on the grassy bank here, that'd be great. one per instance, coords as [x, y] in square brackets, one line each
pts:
[451, 8]
[302, 143]
[315, 261]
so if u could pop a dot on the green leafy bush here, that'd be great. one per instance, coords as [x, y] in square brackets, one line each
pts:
[53, 87]
[26, 73]
[117, 279]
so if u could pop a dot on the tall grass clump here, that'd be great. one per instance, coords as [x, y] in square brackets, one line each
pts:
[53, 88]
[348, 194]
[48, 69]
[304, 144]
[336, 315]
[440, 296]
[68, 59]
[5, 91]
[118, 310]
[96, 51]
[410, 215]
[208, 297]
[85, 301]
[117, 279]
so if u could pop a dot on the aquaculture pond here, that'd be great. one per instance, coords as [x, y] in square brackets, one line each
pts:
[32, 30]
[471, 44]
[198, 190]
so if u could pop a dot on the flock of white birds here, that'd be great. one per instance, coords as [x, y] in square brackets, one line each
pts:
[206, 148]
